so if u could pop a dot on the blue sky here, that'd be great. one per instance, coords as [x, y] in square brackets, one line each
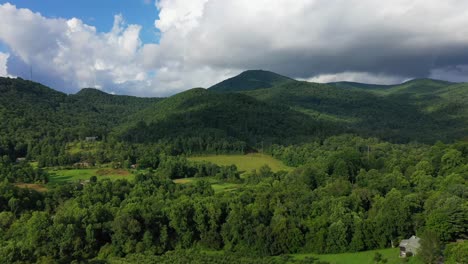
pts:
[99, 13]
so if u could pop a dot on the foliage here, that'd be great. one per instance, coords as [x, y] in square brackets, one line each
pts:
[456, 252]
[347, 193]
[431, 248]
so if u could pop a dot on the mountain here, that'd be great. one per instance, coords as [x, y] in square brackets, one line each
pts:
[356, 85]
[260, 107]
[420, 110]
[27, 113]
[112, 109]
[251, 80]
[423, 85]
[203, 115]
[31, 112]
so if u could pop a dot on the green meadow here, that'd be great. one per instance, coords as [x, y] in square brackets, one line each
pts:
[77, 147]
[67, 175]
[245, 163]
[365, 257]
[217, 185]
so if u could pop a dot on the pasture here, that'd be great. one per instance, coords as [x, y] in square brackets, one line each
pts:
[217, 185]
[245, 163]
[365, 257]
[32, 186]
[67, 175]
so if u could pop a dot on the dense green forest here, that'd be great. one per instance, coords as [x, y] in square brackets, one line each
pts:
[371, 165]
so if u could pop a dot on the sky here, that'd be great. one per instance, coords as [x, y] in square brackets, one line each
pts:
[159, 48]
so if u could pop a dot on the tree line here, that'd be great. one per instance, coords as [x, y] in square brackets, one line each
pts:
[347, 194]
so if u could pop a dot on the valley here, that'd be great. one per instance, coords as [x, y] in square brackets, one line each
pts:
[259, 168]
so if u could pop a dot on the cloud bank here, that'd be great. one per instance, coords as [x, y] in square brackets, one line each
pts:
[205, 41]
[3, 62]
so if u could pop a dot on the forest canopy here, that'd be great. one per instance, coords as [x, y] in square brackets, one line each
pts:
[370, 166]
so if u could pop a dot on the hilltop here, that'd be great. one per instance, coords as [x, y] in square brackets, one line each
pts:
[245, 110]
[201, 116]
[251, 80]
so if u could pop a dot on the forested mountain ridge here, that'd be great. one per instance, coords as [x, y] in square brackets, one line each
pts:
[342, 192]
[203, 115]
[251, 80]
[31, 112]
[414, 85]
[419, 110]
[281, 108]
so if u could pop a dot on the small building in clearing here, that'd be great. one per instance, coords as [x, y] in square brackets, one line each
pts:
[92, 139]
[83, 164]
[409, 247]
[19, 160]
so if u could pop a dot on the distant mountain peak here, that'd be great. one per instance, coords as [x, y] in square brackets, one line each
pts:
[422, 80]
[251, 80]
[91, 91]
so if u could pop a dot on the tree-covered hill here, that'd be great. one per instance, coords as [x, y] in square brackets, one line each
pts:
[344, 193]
[254, 108]
[251, 80]
[31, 113]
[103, 110]
[417, 110]
[424, 85]
[420, 110]
[201, 116]
[356, 85]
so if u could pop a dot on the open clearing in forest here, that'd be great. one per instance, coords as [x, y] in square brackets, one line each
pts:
[83, 147]
[245, 163]
[32, 186]
[365, 257]
[217, 185]
[64, 175]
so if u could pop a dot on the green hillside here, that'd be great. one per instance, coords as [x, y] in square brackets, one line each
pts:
[418, 86]
[356, 85]
[251, 80]
[419, 110]
[30, 112]
[202, 116]
[336, 188]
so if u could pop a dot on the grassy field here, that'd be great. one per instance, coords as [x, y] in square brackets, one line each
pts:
[83, 147]
[32, 186]
[59, 176]
[217, 185]
[245, 163]
[34, 164]
[366, 257]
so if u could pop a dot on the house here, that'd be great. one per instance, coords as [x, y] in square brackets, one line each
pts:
[91, 138]
[84, 164]
[409, 247]
[19, 160]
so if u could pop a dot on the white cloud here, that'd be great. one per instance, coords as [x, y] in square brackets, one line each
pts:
[69, 53]
[362, 77]
[181, 15]
[205, 41]
[3, 64]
